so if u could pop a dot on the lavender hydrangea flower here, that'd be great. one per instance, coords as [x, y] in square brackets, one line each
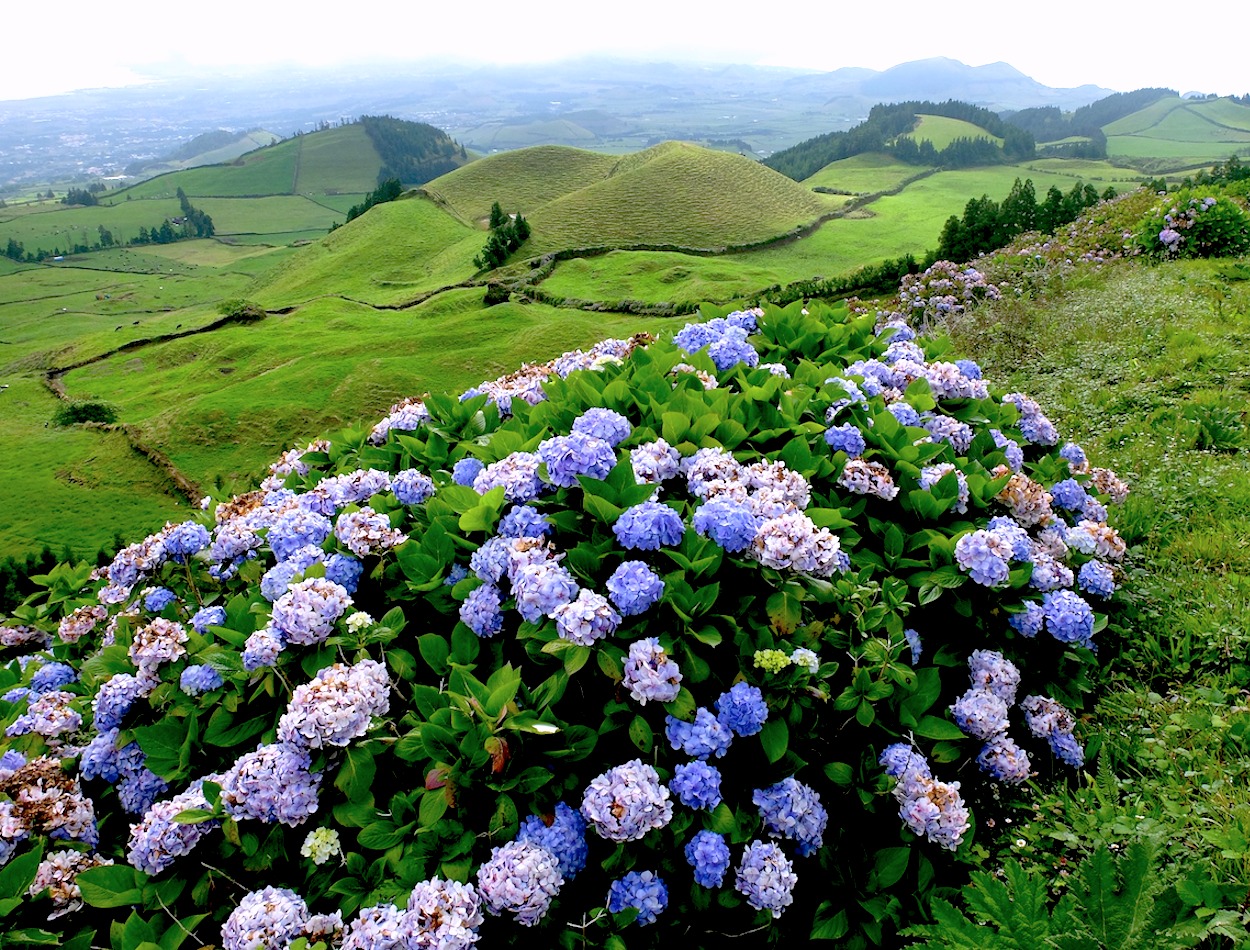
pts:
[791, 809]
[115, 697]
[905, 413]
[913, 644]
[277, 580]
[990, 670]
[731, 349]
[708, 854]
[199, 679]
[52, 676]
[521, 878]
[158, 840]
[650, 673]
[481, 611]
[139, 789]
[1029, 622]
[742, 709]
[262, 648]
[985, 556]
[517, 473]
[586, 619]
[634, 588]
[793, 542]
[296, 529]
[272, 784]
[626, 802]
[336, 706]
[766, 877]
[565, 838]
[186, 539]
[412, 487]
[1011, 449]
[706, 736]
[1049, 720]
[928, 807]
[441, 915]
[271, 917]
[696, 785]
[306, 613]
[524, 521]
[642, 890]
[366, 532]
[648, 527]
[980, 713]
[1004, 761]
[730, 524]
[1069, 494]
[605, 424]
[654, 462]
[344, 570]
[540, 589]
[570, 456]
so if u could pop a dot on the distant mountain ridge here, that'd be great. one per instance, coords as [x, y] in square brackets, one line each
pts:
[595, 102]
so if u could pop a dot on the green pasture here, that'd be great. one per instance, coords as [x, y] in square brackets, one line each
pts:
[864, 174]
[61, 226]
[267, 171]
[1084, 169]
[391, 254]
[211, 253]
[336, 161]
[276, 214]
[681, 195]
[72, 486]
[657, 276]
[520, 181]
[941, 131]
[1197, 130]
[349, 363]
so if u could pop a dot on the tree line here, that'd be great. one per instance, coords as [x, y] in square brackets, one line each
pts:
[884, 131]
[193, 223]
[1050, 124]
[412, 152]
[507, 233]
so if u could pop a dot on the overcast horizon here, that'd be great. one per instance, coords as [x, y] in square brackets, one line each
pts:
[1116, 45]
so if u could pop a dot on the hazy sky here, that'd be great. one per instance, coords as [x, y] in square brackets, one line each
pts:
[1113, 43]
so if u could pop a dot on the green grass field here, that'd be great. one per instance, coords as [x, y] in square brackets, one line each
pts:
[349, 363]
[1198, 130]
[657, 276]
[388, 256]
[941, 131]
[868, 173]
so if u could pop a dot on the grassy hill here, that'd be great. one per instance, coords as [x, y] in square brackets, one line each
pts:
[942, 130]
[681, 194]
[211, 148]
[864, 174]
[1196, 130]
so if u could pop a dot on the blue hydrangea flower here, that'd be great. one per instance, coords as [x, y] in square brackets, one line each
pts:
[1068, 617]
[1074, 455]
[100, 757]
[1029, 622]
[262, 648]
[296, 529]
[969, 369]
[742, 709]
[648, 527]
[766, 877]
[984, 555]
[272, 784]
[524, 521]
[605, 424]
[186, 539]
[52, 676]
[565, 838]
[1069, 494]
[913, 644]
[1004, 761]
[634, 587]
[466, 470]
[115, 697]
[846, 438]
[791, 809]
[412, 487]
[517, 473]
[708, 854]
[481, 611]
[199, 679]
[706, 736]
[457, 573]
[696, 785]
[730, 524]
[1049, 720]
[731, 349]
[139, 789]
[1096, 578]
[568, 456]
[157, 599]
[206, 617]
[344, 570]
[980, 713]
[490, 561]
[640, 889]
[905, 413]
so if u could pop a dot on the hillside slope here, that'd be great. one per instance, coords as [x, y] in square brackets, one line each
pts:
[1201, 130]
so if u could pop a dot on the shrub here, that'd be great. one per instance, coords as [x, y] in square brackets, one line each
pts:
[1186, 225]
[640, 640]
[73, 413]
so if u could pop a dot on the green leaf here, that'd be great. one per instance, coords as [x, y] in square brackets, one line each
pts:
[683, 707]
[434, 651]
[193, 816]
[19, 874]
[356, 775]
[433, 807]
[382, 835]
[641, 735]
[931, 727]
[890, 866]
[839, 773]
[829, 925]
[116, 885]
[775, 738]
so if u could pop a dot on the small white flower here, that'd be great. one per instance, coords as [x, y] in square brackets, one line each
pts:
[321, 845]
[359, 621]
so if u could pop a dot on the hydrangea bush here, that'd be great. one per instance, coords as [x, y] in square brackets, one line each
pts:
[1195, 224]
[747, 633]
